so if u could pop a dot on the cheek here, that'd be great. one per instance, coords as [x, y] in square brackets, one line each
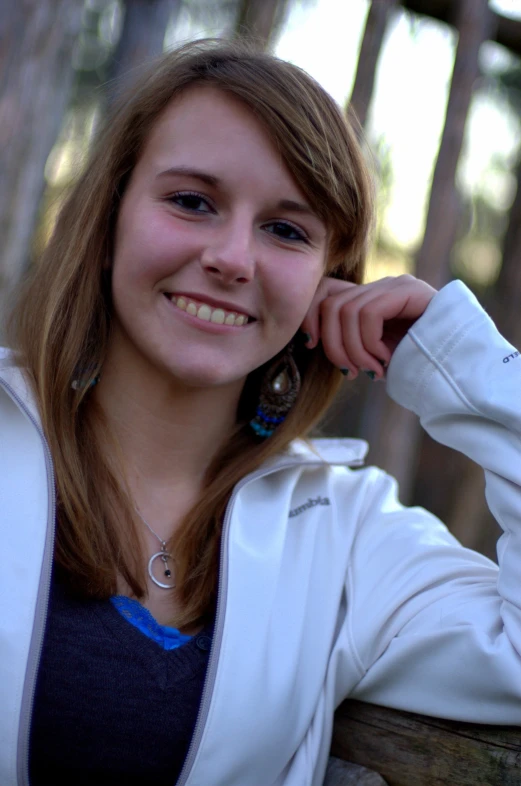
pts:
[146, 249]
[294, 294]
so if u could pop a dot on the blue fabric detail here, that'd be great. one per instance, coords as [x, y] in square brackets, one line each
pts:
[142, 619]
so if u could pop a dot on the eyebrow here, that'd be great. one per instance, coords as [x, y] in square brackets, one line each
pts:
[212, 180]
[296, 207]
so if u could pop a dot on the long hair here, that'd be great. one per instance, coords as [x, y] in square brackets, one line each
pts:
[62, 320]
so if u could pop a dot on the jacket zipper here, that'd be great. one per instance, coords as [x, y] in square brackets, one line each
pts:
[222, 589]
[42, 603]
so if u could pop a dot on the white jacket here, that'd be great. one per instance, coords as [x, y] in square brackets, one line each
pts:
[328, 587]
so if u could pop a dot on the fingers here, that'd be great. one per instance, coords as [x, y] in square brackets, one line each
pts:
[356, 341]
[360, 326]
[311, 324]
[332, 328]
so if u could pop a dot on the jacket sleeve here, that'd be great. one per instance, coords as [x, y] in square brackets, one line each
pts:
[437, 627]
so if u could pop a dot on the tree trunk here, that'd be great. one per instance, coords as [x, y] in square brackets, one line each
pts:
[397, 442]
[260, 20]
[141, 39]
[473, 23]
[504, 301]
[505, 31]
[375, 27]
[37, 37]
[357, 414]
[469, 518]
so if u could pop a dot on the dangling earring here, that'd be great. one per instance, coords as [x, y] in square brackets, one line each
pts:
[279, 390]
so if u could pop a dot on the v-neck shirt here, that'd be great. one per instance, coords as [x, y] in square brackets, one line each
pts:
[111, 705]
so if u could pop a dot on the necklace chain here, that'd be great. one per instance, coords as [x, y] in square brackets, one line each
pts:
[162, 555]
[163, 542]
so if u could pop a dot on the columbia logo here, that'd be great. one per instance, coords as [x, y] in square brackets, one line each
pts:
[309, 504]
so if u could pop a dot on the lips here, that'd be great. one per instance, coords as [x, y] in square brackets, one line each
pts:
[210, 312]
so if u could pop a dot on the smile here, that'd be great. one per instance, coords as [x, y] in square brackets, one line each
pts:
[207, 313]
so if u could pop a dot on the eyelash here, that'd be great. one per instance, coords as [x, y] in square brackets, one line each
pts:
[194, 194]
[301, 236]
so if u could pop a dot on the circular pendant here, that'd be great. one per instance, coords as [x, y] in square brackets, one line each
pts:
[164, 556]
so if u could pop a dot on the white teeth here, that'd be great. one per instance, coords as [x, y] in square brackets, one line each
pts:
[218, 316]
[204, 313]
[208, 314]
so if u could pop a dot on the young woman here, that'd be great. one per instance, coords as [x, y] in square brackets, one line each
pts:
[189, 588]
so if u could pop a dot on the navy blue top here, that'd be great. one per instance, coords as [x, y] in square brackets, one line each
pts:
[112, 706]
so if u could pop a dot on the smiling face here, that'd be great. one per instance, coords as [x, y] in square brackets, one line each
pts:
[217, 255]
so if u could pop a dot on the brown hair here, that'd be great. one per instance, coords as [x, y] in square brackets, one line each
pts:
[62, 320]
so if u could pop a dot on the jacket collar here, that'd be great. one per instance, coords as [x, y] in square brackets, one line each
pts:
[341, 451]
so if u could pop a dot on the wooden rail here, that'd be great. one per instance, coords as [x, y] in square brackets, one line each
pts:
[416, 750]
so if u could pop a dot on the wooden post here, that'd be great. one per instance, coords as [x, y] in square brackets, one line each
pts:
[416, 750]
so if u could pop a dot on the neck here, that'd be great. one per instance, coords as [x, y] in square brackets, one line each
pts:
[167, 433]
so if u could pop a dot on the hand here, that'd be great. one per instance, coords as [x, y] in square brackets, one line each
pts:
[360, 326]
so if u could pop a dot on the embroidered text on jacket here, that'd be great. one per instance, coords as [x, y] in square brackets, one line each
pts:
[309, 504]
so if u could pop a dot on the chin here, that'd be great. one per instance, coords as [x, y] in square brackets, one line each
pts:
[206, 377]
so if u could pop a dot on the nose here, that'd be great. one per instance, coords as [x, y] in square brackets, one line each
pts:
[229, 257]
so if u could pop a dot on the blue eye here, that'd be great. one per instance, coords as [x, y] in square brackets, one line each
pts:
[286, 231]
[191, 200]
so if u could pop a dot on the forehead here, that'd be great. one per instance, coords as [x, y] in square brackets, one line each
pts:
[203, 108]
[205, 125]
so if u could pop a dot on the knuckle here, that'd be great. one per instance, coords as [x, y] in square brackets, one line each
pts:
[367, 311]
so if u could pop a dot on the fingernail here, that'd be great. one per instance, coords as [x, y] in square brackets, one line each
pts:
[345, 371]
[307, 338]
[370, 374]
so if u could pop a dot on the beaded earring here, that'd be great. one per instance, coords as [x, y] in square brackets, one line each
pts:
[278, 393]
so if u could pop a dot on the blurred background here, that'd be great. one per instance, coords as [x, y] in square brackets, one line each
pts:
[436, 85]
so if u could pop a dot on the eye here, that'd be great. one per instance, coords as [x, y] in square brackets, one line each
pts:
[287, 231]
[192, 201]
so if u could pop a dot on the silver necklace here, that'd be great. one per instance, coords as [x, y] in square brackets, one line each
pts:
[163, 555]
